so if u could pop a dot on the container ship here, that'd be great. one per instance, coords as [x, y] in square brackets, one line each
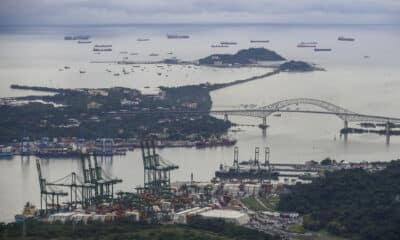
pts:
[176, 36]
[341, 38]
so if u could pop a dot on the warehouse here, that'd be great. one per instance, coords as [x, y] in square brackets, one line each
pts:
[231, 216]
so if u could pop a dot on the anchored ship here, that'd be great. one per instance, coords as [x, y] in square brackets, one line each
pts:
[341, 38]
[176, 36]
[228, 43]
[259, 41]
[78, 37]
[322, 49]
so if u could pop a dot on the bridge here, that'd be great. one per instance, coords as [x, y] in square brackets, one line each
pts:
[283, 106]
[326, 108]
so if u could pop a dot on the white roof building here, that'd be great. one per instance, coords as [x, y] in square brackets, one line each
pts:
[227, 215]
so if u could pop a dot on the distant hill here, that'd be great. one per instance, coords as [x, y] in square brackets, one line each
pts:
[245, 56]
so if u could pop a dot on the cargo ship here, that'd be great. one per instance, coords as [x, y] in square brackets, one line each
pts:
[228, 43]
[28, 213]
[176, 36]
[259, 41]
[322, 49]
[102, 49]
[219, 46]
[78, 37]
[302, 45]
[341, 38]
[309, 43]
[103, 46]
[215, 142]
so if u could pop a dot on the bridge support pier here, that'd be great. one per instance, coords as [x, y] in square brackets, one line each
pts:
[346, 124]
[264, 126]
[345, 127]
[226, 117]
[387, 132]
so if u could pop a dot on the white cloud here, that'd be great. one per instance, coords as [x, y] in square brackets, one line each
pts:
[198, 11]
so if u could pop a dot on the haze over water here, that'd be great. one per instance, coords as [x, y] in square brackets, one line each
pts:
[33, 55]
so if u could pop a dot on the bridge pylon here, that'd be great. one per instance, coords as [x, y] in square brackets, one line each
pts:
[387, 132]
[264, 124]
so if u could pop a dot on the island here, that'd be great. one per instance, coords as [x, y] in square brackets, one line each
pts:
[242, 57]
[297, 66]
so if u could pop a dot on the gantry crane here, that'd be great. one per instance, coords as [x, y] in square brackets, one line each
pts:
[157, 171]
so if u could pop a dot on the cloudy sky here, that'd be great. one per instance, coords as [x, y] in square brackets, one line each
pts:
[198, 11]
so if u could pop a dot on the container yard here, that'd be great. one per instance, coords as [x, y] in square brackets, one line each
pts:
[89, 194]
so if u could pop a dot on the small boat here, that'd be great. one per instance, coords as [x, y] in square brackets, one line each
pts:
[153, 54]
[142, 39]
[67, 67]
[116, 74]
[277, 115]
[84, 42]
[322, 49]
[134, 53]
[81, 71]
[366, 56]
[170, 53]
[159, 74]
[123, 52]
